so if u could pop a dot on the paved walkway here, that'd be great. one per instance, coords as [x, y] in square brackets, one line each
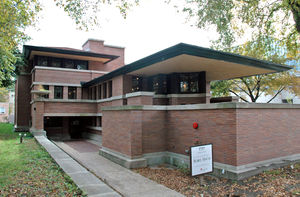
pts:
[126, 182]
[84, 179]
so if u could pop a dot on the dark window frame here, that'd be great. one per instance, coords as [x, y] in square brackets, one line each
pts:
[63, 61]
[110, 89]
[72, 92]
[136, 84]
[55, 92]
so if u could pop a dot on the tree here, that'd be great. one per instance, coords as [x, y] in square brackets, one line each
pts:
[249, 89]
[246, 20]
[15, 16]
[253, 22]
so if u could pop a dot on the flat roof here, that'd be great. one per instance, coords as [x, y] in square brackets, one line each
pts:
[62, 52]
[190, 58]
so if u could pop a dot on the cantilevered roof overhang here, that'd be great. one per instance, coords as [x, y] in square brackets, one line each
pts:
[189, 58]
[31, 51]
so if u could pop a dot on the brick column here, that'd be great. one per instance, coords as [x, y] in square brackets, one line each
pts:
[65, 93]
[37, 111]
[78, 93]
[51, 94]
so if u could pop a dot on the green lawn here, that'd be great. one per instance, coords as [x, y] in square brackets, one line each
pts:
[27, 169]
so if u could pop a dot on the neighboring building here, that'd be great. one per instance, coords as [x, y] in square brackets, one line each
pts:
[144, 111]
[4, 112]
[7, 108]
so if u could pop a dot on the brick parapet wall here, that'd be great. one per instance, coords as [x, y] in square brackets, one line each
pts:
[267, 133]
[239, 135]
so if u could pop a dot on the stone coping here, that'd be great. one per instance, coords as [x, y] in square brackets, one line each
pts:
[67, 69]
[227, 105]
[55, 84]
[181, 95]
[141, 93]
[40, 92]
[72, 114]
[94, 128]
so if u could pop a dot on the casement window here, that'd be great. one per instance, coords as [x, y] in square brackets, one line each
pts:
[58, 92]
[72, 92]
[110, 89]
[159, 84]
[99, 92]
[136, 84]
[189, 83]
[61, 63]
[104, 90]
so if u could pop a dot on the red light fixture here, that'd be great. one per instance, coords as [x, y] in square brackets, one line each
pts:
[195, 125]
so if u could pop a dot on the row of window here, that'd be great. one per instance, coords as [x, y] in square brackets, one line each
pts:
[172, 83]
[60, 62]
[102, 91]
[59, 92]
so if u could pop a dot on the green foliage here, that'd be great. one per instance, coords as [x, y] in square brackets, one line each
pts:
[15, 16]
[27, 170]
[4, 95]
[249, 89]
[84, 12]
[236, 20]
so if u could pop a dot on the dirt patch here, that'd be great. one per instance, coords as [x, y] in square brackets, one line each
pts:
[278, 182]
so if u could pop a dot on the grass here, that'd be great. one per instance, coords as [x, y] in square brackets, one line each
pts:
[28, 170]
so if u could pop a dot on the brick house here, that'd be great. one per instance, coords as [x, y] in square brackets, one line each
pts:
[143, 112]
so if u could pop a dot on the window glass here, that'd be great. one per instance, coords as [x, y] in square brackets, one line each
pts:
[189, 83]
[42, 61]
[56, 62]
[72, 92]
[194, 83]
[110, 89]
[136, 84]
[68, 63]
[100, 92]
[58, 92]
[81, 65]
[155, 84]
[45, 87]
[104, 90]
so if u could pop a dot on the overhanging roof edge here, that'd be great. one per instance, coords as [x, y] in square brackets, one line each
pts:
[28, 48]
[187, 49]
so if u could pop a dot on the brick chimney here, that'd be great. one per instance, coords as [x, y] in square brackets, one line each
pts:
[98, 46]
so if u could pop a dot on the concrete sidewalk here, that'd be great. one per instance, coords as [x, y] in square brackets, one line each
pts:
[85, 180]
[126, 182]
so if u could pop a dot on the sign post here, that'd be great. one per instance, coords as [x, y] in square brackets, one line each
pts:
[201, 159]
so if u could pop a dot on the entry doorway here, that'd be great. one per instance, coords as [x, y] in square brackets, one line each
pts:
[75, 127]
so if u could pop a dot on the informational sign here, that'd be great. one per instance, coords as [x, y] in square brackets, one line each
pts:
[201, 159]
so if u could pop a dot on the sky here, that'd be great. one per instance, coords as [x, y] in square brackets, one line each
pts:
[148, 28]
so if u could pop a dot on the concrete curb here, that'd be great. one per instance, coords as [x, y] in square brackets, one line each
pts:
[84, 179]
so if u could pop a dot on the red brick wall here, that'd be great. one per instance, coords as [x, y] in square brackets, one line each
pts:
[267, 133]
[59, 76]
[140, 100]
[66, 107]
[99, 47]
[186, 100]
[22, 100]
[122, 132]
[154, 131]
[215, 126]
